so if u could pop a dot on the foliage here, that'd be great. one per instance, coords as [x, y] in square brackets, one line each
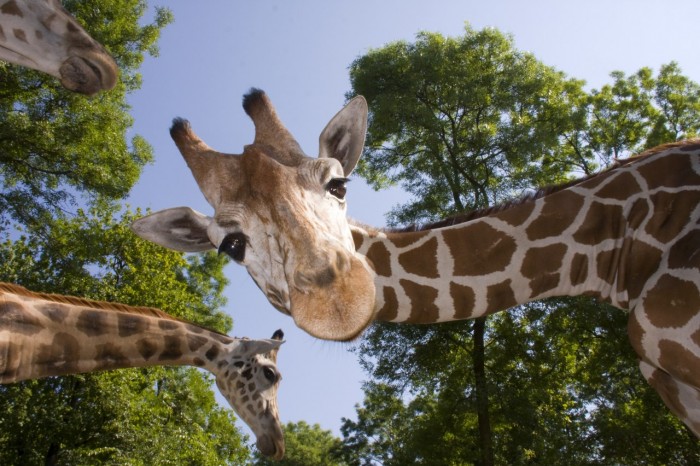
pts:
[55, 144]
[464, 123]
[135, 416]
[471, 112]
[58, 148]
[305, 446]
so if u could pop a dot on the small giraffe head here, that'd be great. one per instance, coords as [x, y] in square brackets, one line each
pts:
[282, 215]
[42, 35]
[248, 379]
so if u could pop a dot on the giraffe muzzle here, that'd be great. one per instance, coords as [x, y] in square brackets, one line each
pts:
[339, 310]
[88, 73]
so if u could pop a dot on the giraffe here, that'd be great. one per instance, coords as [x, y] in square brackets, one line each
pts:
[629, 236]
[43, 36]
[44, 335]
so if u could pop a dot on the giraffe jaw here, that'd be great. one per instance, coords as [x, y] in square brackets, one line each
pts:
[271, 448]
[88, 72]
[339, 311]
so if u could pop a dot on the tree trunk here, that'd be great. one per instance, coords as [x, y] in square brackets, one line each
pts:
[482, 394]
[52, 455]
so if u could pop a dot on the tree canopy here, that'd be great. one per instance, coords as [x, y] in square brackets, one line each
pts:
[65, 167]
[463, 123]
[56, 146]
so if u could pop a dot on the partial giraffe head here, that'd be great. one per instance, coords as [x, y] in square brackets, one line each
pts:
[282, 215]
[248, 378]
[42, 35]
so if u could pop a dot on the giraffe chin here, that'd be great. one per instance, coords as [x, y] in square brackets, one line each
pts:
[270, 448]
[339, 311]
[88, 73]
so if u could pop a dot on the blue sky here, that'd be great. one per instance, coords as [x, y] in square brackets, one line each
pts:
[299, 53]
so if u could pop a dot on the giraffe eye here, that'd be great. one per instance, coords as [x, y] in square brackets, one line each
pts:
[234, 246]
[336, 187]
[269, 374]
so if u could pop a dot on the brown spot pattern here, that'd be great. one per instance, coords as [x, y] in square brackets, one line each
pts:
[622, 187]
[680, 362]
[641, 261]
[12, 315]
[63, 350]
[607, 263]
[390, 309]
[423, 308]
[499, 297]
[171, 349]
[559, 211]
[479, 249]
[422, 260]
[543, 260]
[671, 213]
[11, 8]
[638, 213]
[685, 253]
[463, 298]
[54, 312]
[379, 255]
[20, 35]
[668, 390]
[212, 353]
[401, 240]
[194, 342]
[92, 323]
[129, 324]
[110, 355]
[672, 171]
[672, 302]
[579, 269]
[602, 222]
[516, 215]
[357, 238]
[146, 348]
[168, 324]
[541, 266]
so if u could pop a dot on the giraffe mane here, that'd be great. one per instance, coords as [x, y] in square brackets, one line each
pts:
[91, 303]
[540, 192]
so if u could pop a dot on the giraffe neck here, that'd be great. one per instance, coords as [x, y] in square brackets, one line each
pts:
[468, 271]
[603, 236]
[48, 335]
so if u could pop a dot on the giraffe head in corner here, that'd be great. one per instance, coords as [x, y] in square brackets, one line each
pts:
[282, 215]
[43, 36]
[248, 378]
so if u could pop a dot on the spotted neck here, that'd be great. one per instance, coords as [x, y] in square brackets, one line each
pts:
[47, 337]
[582, 240]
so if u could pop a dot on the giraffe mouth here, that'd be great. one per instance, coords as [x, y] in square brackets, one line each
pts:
[270, 446]
[88, 72]
[340, 310]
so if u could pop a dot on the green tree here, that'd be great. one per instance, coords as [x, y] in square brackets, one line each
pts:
[56, 145]
[58, 148]
[136, 416]
[306, 445]
[463, 123]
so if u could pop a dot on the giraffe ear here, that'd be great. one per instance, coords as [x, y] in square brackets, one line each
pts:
[179, 228]
[344, 136]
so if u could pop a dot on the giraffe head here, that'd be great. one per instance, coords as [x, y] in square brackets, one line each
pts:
[42, 35]
[248, 378]
[282, 215]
